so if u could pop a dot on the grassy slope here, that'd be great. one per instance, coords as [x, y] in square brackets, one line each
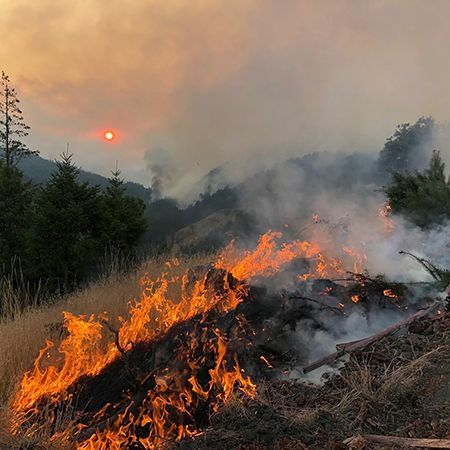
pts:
[395, 387]
[22, 338]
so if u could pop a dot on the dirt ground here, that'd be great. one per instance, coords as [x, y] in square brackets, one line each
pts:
[399, 386]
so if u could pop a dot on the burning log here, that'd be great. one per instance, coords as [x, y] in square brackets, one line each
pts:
[400, 441]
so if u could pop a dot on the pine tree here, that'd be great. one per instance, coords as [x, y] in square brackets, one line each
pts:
[12, 125]
[63, 236]
[124, 221]
[15, 201]
[423, 198]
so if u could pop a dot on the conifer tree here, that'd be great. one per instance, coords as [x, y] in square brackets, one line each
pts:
[63, 236]
[124, 221]
[12, 125]
[423, 198]
[15, 201]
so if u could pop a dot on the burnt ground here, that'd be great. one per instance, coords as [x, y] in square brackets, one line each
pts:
[399, 386]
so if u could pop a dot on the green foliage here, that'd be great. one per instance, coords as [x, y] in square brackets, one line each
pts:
[12, 125]
[402, 150]
[15, 199]
[423, 198]
[123, 220]
[64, 236]
[74, 224]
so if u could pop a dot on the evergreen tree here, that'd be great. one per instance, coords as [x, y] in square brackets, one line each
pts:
[63, 236]
[15, 200]
[124, 220]
[423, 198]
[12, 125]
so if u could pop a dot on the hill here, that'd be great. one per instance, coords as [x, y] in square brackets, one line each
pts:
[39, 169]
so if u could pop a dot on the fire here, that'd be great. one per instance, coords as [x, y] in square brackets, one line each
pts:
[171, 398]
[165, 410]
[356, 298]
[86, 351]
[390, 294]
[358, 259]
[269, 257]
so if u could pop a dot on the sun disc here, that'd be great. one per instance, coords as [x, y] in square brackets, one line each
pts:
[109, 135]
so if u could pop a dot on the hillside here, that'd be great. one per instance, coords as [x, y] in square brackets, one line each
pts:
[228, 373]
[39, 169]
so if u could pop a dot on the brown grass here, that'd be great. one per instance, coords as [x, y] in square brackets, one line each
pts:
[22, 337]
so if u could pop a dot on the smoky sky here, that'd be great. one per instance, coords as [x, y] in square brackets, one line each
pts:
[208, 82]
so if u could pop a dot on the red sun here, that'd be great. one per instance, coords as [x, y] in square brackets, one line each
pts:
[109, 135]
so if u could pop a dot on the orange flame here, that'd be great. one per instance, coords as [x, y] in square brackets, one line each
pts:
[269, 257]
[390, 294]
[358, 260]
[165, 302]
[169, 399]
[86, 351]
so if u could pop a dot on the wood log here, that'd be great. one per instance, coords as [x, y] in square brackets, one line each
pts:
[360, 344]
[402, 441]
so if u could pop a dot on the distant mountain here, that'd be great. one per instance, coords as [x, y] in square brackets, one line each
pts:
[287, 193]
[38, 170]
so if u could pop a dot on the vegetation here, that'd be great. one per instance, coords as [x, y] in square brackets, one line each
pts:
[15, 201]
[122, 218]
[67, 230]
[423, 198]
[12, 125]
[56, 234]
[65, 226]
[22, 338]
[405, 149]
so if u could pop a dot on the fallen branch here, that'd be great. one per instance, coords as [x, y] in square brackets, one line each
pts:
[428, 266]
[404, 442]
[313, 300]
[353, 346]
[133, 377]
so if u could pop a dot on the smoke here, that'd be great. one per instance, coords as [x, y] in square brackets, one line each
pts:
[214, 82]
[440, 141]
[163, 170]
[336, 201]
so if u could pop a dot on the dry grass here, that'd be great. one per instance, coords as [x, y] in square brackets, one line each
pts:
[22, 337]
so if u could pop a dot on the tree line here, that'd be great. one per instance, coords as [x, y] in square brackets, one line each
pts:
[57, 233]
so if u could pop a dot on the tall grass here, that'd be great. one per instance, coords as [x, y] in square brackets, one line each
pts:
[24, 330]
[16, 295]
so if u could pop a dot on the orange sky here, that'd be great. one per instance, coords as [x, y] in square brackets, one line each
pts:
[201, 82]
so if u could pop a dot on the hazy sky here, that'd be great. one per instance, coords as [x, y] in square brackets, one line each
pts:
[195, 83]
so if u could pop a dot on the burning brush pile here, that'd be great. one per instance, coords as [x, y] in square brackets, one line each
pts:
[198, 342]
